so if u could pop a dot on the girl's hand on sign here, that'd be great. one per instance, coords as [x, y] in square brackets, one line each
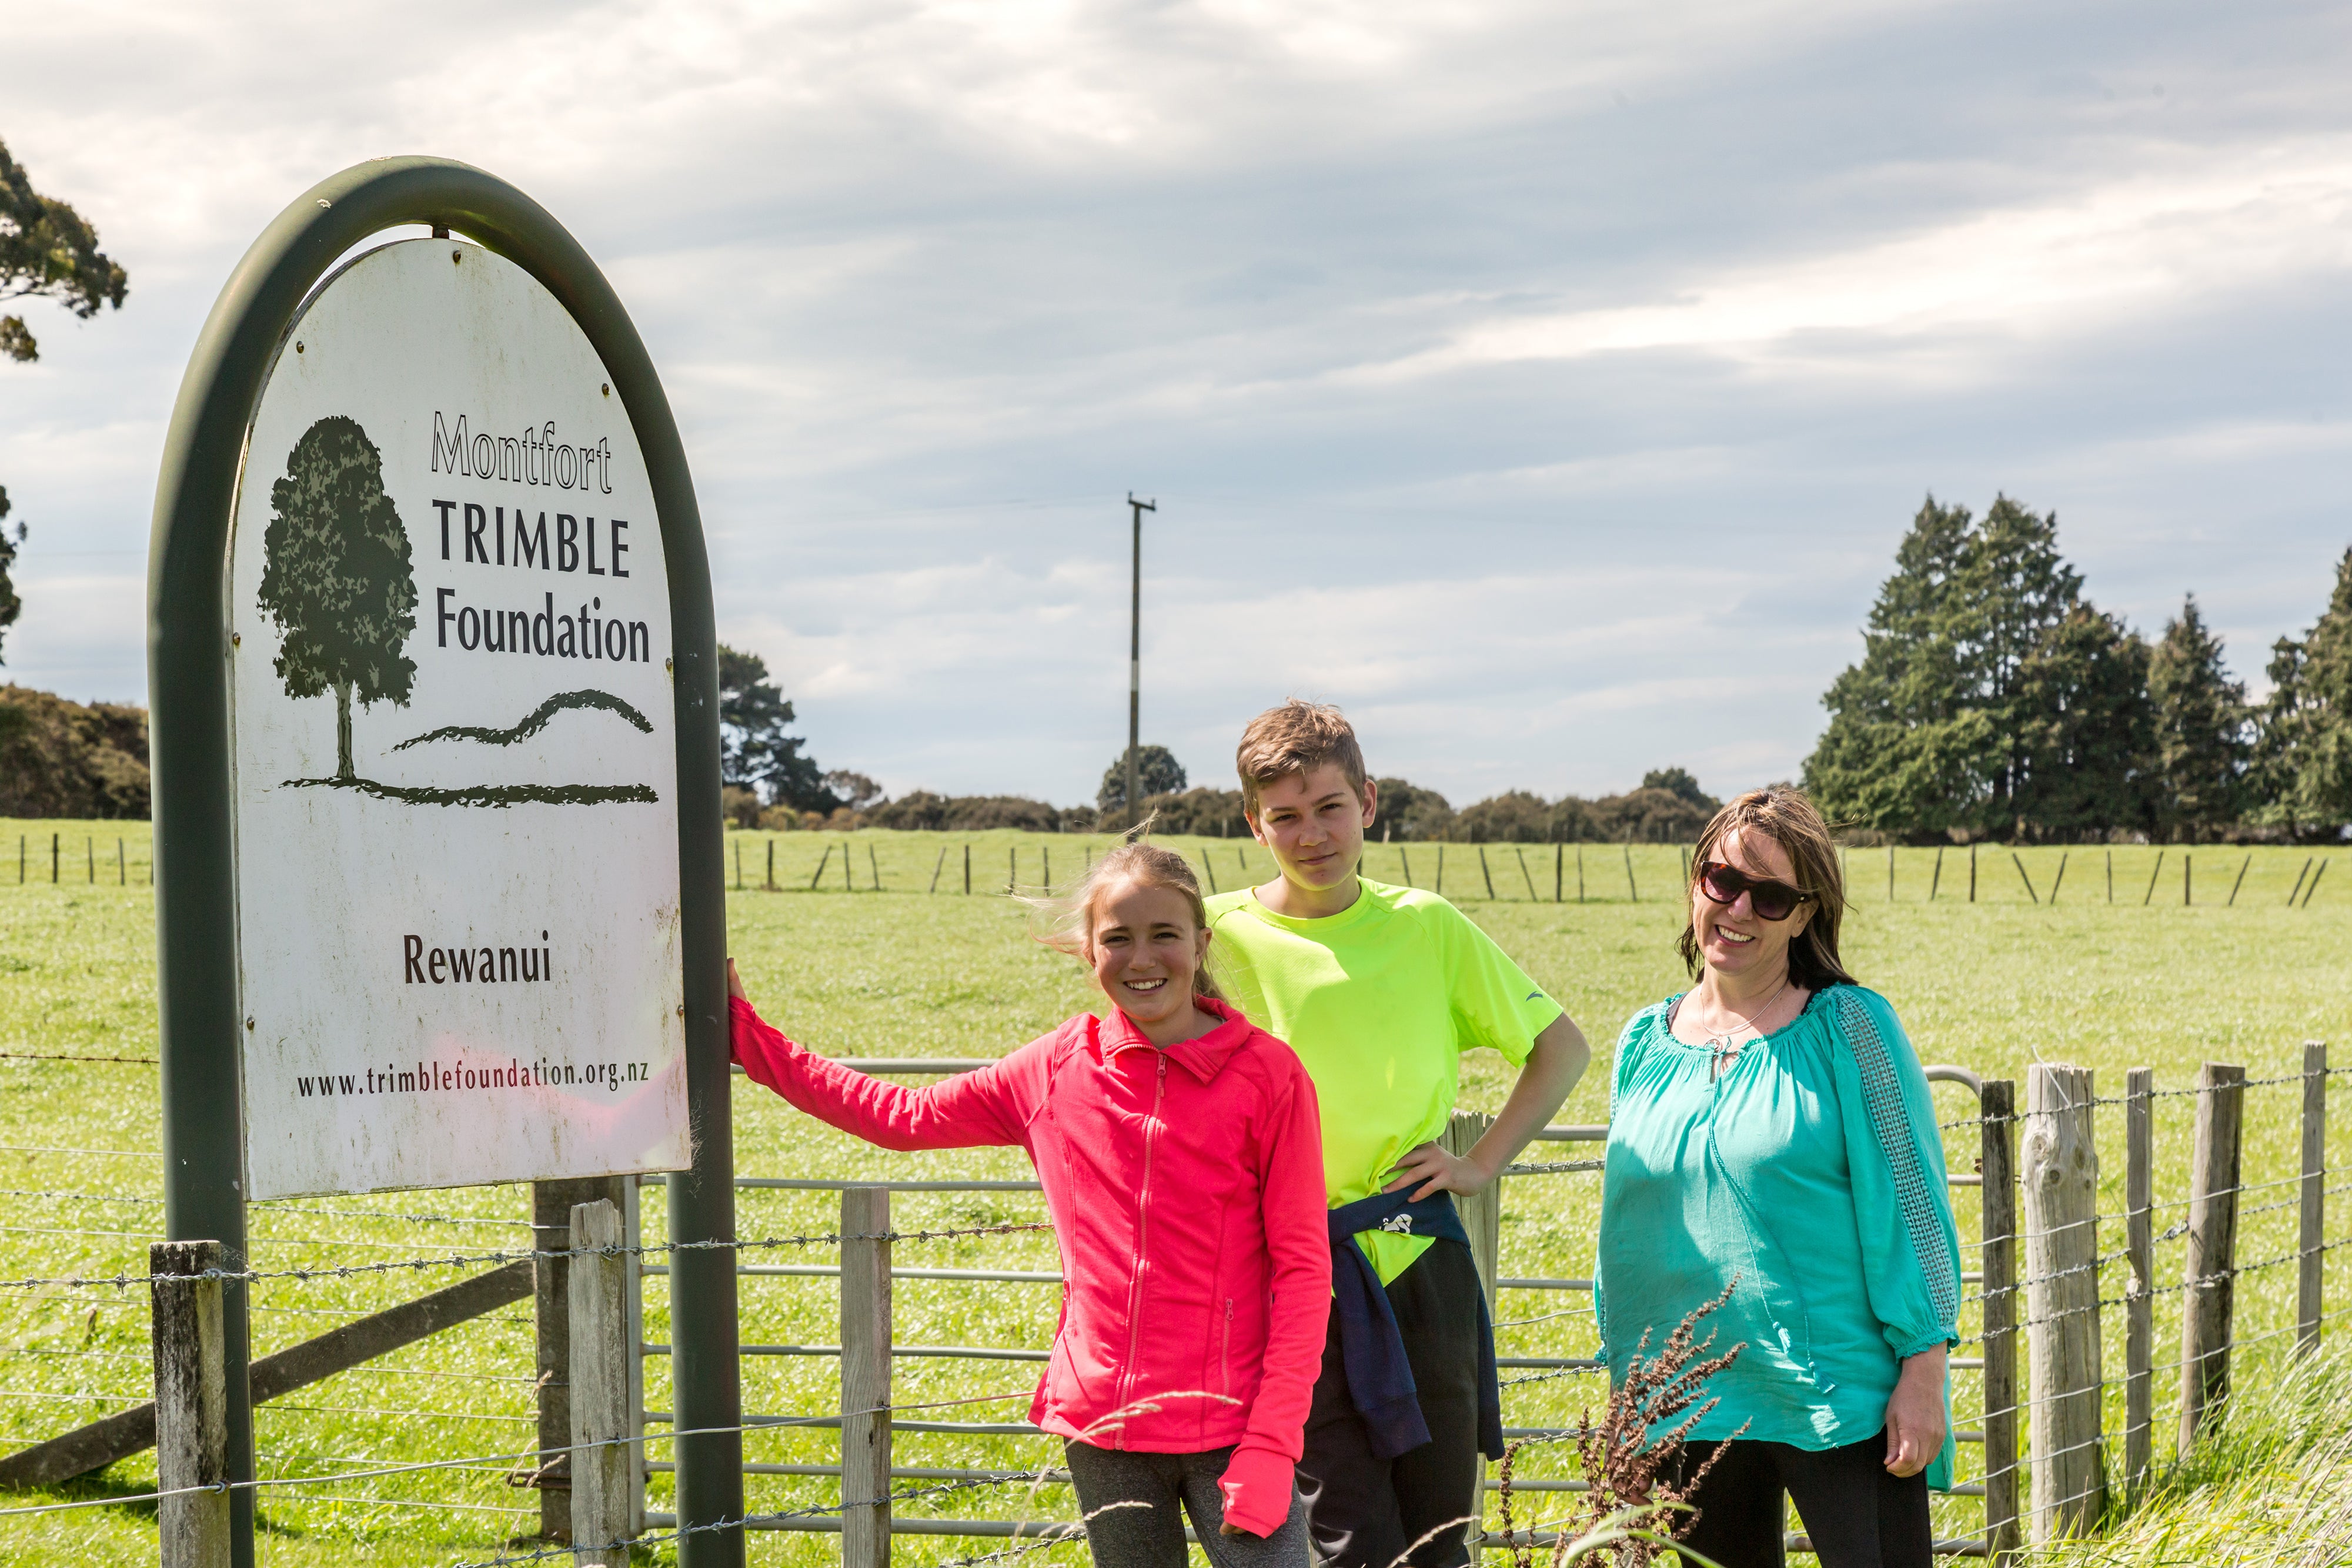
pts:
[735, 982]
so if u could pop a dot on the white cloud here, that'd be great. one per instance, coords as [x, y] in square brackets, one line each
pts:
[1548, 382]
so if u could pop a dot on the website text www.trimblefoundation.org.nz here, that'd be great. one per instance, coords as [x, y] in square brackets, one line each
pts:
[471, 1077]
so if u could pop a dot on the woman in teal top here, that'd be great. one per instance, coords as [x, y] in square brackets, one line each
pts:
[1770, 1130]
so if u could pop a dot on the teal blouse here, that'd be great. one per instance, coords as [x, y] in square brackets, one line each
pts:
[1812, 1174]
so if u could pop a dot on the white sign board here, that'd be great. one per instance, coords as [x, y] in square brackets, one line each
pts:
[452, 731]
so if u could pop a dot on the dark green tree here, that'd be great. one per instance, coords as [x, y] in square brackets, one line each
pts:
[10, 605]
[2084, 730]
[335, 576]
[2015, 592]
[1907, 749]
[1935, 728]
[1515, 816]
[754, 752]
[1157, 772]
[2201, 721]
[46, 251]
[1409, 812]
[1680, 781]
[2302, 771]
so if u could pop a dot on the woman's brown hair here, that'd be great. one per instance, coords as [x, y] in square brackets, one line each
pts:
[1784, 816]
[1067, 920]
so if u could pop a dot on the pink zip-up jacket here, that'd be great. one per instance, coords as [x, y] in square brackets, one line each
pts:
[1186, 1187]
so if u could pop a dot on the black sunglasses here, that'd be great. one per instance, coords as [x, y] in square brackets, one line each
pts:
[1771, 900]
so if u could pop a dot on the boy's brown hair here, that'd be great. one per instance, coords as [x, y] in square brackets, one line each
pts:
[1296, 738]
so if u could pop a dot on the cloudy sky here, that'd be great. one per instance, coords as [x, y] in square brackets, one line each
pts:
[1547, 383]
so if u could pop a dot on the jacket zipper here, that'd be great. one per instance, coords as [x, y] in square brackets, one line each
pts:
[1142, 1238]
[1225, 1351]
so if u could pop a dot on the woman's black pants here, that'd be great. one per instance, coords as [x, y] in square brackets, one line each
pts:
[1858, 1515]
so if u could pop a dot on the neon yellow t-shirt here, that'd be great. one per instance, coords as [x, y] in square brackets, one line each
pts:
[1379, 1001]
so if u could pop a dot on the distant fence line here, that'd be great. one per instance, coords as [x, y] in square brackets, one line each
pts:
[1542, 885]
[121, 867]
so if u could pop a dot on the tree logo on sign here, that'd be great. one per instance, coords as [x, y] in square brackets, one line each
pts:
[336, 577]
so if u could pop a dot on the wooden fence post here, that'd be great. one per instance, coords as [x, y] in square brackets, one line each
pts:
[941, 865]
[967, 868]
[2061, 1300]
[771, 865]
[2311, 1237]
[866, 1377]
[1481, 1211]
[597, 1288]
[1482, 1218]
[551, 1203]
[2140, 1248]
[191, 1403]
[2206, 1303]
[1998, 1161]
[1632, 889]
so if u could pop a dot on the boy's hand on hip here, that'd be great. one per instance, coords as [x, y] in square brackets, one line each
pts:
[735, 982]
[1429, 1169]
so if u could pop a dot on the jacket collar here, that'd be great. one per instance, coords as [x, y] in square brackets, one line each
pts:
[1203, 1056]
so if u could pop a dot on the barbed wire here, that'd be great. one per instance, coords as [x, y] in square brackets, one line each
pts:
[2216, 1278]
[1983, 1120]
[54, 1056]
[462, 1259]
[1554, 1376]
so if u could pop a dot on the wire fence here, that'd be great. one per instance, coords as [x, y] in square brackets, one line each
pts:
[76, 1333]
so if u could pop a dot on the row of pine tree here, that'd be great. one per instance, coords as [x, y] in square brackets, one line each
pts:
[1993, 699]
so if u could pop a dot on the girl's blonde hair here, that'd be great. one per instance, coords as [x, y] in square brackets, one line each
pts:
[1066, 921]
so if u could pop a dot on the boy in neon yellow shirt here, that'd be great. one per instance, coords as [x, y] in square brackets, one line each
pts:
[1379, 990]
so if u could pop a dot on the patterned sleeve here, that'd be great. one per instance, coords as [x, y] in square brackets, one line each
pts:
[1910, 1248]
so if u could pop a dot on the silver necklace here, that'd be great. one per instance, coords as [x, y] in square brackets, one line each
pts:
[1723, 1046]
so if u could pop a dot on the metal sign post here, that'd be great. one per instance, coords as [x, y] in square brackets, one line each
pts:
[212, 953]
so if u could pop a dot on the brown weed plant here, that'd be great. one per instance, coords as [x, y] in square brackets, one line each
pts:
[1630, 1512]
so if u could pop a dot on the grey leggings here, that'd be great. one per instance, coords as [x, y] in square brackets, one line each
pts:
[1153, 1536]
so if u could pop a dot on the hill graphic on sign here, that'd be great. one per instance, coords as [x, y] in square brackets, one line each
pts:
[538, 720]
[336, 581]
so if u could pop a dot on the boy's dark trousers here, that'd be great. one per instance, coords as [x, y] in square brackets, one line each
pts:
[1362, 1512]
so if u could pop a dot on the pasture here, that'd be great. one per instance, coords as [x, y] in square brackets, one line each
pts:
[1992, 985]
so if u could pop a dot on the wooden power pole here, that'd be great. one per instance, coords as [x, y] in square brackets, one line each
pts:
[1135, 666]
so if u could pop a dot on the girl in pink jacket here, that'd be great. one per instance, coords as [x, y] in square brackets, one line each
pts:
[1179, 1149]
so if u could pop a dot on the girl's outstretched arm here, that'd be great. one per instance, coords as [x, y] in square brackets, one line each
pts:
[990, 1106]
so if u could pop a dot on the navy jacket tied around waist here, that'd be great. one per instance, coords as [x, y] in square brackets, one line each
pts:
[1380, 1379]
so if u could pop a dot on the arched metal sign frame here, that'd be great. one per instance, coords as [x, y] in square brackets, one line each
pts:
[195, 872]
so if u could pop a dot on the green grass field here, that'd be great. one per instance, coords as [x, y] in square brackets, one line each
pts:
[1991, 985]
